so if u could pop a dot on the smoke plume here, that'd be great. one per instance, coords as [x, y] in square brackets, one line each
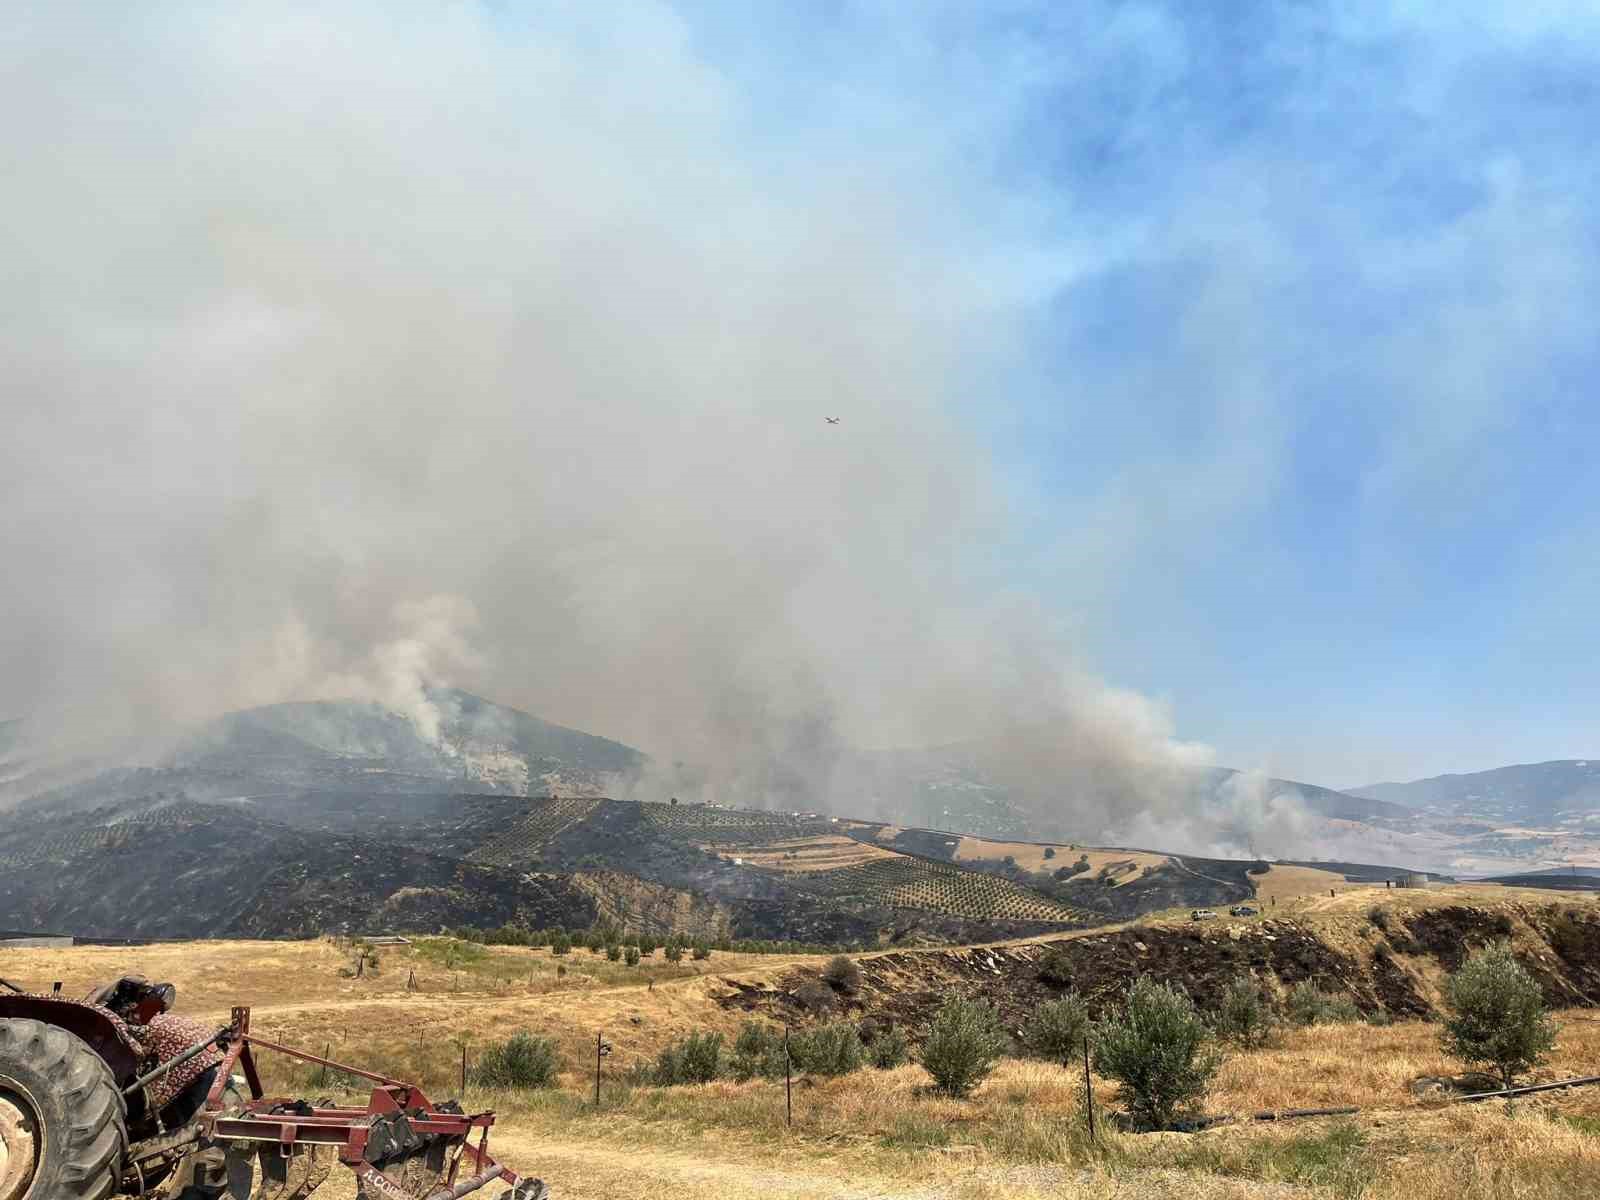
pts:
[350, 353]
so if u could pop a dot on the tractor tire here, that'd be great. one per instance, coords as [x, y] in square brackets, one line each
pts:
[63, 1124]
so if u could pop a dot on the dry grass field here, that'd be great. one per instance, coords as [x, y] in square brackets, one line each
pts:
[874, 1133]
[821, 853]
[1125, 865]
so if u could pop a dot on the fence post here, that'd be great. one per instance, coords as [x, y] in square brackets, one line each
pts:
[597, 1045]
[1088, 1089]
[788, 1081]
[463, 1068]
[327, 1052]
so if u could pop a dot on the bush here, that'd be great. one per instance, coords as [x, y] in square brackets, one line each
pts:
[1055, 968]
[1379, 917]
[522, 1061]
[560, 944]
[1049, 851]
[1159, 1049]
[1308, 1005]
[1057, 1029]
[614, 952]
[842, 975]
[888, 1049]
[631, 956]
[758, 1050]
[832, 1049]
[1245, 1017]
[963, 1044]
[1496, 1015]
[696, 1059]
[673, 951]
[701, 951]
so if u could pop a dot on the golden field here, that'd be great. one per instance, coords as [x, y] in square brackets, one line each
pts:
[874, 1133]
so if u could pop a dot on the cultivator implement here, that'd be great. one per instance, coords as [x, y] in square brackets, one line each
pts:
[400, 1145]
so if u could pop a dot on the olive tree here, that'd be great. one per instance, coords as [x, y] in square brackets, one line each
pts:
[1496, 1015]
[1159, 1048]
[963, 1044]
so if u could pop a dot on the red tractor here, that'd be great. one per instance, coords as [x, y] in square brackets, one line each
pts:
[112, 1095]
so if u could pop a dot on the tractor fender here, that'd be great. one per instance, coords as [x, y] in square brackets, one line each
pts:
[101, 1029]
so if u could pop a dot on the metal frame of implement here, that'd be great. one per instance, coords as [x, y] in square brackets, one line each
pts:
[348, 1129]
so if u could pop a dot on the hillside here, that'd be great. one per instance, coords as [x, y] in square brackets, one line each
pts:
[458, 742]
[1562, 792]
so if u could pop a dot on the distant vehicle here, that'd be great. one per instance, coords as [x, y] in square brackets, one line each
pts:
[1243, 910]
[1202, 914]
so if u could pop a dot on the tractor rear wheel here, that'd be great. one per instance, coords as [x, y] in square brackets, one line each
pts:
[62, 1120]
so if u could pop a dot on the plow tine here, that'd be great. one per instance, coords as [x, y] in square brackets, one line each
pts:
[280, 1178]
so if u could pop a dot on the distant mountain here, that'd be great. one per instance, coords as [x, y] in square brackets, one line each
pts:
[454, 742]
[973, 789]
[1325, 802]
[1564, 791]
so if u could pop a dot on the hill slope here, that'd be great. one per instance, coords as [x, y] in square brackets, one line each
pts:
[465, 743]
[1562, 790]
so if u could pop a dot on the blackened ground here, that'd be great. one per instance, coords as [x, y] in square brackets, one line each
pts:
[905, 988]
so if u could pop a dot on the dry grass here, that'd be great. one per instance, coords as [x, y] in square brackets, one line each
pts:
[1125, 865]
[805, 854]
[877, 1134]
[1283, 883]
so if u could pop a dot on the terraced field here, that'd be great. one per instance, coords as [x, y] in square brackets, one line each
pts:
[701, 823]
[545, 819]
[109, 836]
[904, 882]
[824, 853]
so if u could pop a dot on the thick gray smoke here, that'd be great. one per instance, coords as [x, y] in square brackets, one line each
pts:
[345, 354]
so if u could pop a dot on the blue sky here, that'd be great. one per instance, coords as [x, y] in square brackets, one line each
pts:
[1303, 418]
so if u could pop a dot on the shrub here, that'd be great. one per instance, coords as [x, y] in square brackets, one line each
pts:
[614, 952]
[1309, 1005]
[758, 1050]
[1049, 851]
[521, 1061]
[673, 951]
[964, 1042]
[1057, 1029]
[888, 1049]
[1159, 1049]
[1379, 917]
[560, 944]
[696, 1059]
[842, 975]
[631, 956]
[701, 951]
[1055, 968]
[1245, 1017]
[832, 1049]
[1496, 1015]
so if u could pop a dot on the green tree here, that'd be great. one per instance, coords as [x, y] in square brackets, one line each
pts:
[1496, 1015]
[631, 956]
[522, 1061]
[1159, 1049]
[964, 1043]
[1245, 1017]
[674, 951]
[1057, 1029]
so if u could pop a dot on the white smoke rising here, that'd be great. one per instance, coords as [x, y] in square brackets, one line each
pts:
[357, 351]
